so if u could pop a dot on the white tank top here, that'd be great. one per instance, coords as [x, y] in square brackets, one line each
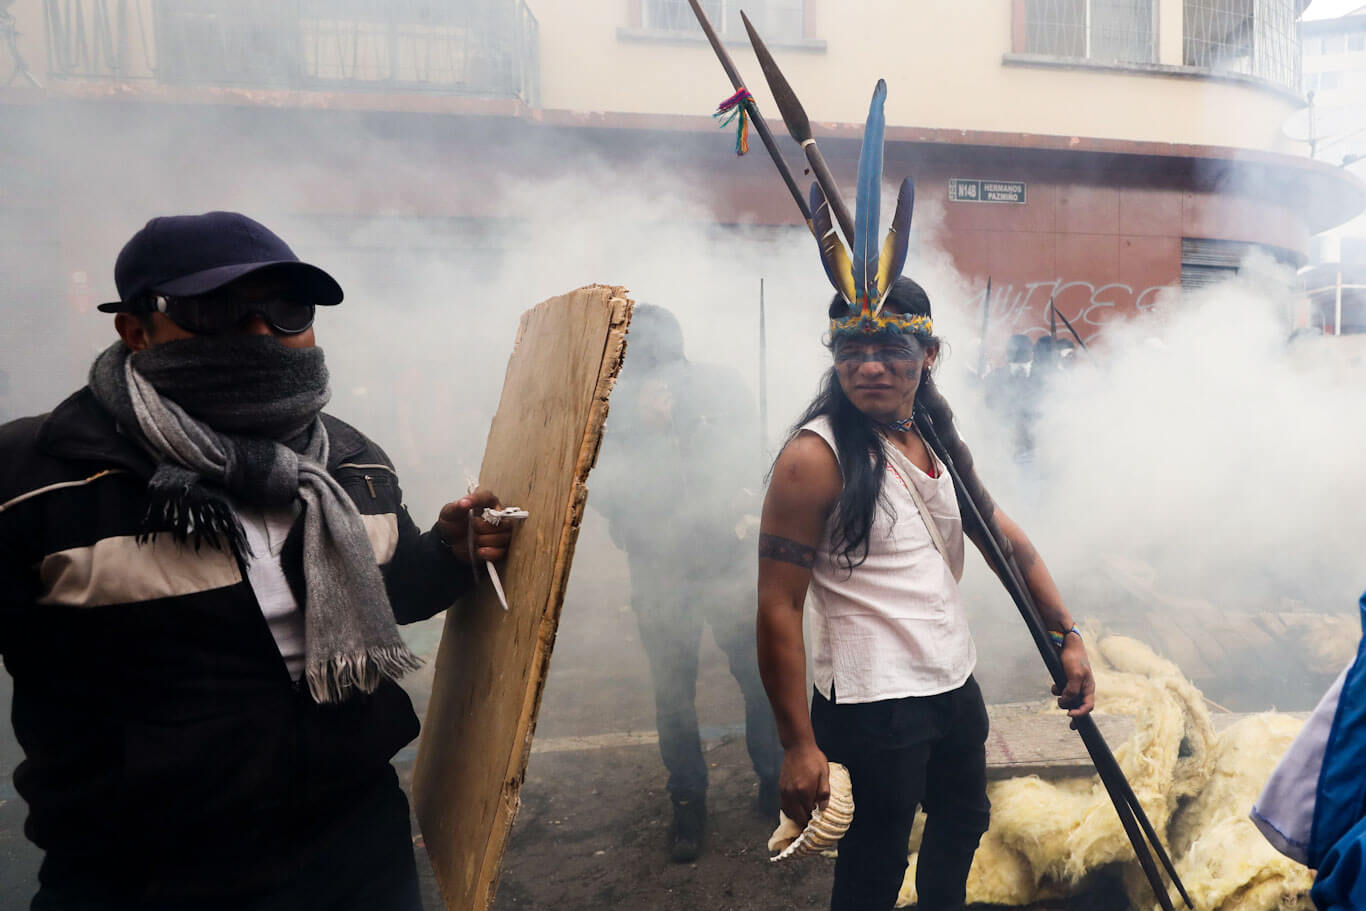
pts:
[895, 627]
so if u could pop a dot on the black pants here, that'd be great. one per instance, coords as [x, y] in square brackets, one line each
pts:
[903, 753]
[671, 612]
[365, 863]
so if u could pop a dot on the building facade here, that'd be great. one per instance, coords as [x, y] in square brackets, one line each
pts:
[1334, 123]
[1085, 152]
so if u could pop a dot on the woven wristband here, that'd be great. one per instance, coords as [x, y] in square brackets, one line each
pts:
[1059, 638]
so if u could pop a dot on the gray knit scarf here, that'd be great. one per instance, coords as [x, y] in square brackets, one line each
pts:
[238, 418]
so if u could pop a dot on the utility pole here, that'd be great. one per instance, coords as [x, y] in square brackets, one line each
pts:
[763, 374]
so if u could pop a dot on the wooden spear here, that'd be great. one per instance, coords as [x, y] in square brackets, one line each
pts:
[986, 321]
[799, 125]
[1068, 323]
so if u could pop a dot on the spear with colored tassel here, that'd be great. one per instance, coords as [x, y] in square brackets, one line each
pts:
[751, 109]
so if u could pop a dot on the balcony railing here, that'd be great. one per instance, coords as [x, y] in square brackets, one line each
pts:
[459, 47]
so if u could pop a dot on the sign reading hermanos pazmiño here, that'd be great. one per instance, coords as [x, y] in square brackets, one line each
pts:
[974, 190]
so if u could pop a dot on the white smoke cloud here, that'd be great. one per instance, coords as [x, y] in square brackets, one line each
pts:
[1190, 441]
[1201, 455]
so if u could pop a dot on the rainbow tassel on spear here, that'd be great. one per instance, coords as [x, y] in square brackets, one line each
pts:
[737, 105]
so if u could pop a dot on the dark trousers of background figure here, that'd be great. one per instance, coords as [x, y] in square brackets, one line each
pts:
[364, 863]
[671, 611]
[902, 753]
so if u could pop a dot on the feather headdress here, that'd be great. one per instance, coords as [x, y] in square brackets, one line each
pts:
[863, 278]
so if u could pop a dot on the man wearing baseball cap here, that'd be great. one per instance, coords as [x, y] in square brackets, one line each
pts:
[201, 575]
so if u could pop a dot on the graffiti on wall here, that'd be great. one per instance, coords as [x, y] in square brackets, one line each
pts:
[1023, 307]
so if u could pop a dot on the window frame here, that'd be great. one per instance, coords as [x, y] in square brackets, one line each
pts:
[1024, 24]
[637, 18]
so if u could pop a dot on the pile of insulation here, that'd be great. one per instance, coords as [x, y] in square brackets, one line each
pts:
[1047, 837]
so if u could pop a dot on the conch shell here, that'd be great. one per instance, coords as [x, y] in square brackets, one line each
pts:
[827, 826]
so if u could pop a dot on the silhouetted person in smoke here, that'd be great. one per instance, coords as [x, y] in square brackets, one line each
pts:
[1067, 353]
[1045, 358]
[1012, 395]
[678, 455]
[200, 578]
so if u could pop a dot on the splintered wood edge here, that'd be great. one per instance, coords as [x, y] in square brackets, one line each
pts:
[613, 356]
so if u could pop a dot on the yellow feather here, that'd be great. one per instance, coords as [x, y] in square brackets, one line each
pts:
[884, 265]
[838, 257]
[894, 249]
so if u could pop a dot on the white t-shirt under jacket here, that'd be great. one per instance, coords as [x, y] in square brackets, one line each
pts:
[895, 627]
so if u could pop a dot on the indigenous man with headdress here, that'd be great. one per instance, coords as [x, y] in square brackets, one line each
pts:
[861, 513]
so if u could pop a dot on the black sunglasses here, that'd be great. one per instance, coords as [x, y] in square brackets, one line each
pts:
[213, 315]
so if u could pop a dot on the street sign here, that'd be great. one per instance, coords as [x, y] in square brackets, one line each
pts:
[965, 190]
[978, 190]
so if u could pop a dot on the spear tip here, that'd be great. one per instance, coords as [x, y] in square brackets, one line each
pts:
[794, 116]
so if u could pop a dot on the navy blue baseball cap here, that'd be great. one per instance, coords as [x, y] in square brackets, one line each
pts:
[189, 255]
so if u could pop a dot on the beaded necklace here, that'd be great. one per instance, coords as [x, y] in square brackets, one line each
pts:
[905, 425]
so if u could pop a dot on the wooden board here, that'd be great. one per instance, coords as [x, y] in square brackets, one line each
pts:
[491, 665]
[1024, 741]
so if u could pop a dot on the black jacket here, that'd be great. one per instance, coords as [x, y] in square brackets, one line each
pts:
[167, 750]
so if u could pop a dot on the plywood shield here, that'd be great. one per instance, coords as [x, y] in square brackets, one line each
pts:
[491, 666]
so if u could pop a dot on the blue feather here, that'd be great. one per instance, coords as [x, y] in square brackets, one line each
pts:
[869, 200]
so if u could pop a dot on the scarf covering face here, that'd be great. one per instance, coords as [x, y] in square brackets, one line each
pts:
[238, 418]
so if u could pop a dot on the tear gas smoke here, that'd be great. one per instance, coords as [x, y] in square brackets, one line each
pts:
[1197, 456]
[1191, 442]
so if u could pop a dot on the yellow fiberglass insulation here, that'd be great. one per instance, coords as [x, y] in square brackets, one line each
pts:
[1222, 859]
[1047, 836]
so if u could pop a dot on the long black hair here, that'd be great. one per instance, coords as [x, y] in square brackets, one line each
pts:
[863, 462]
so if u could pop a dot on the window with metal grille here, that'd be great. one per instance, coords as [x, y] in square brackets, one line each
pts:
[1253, 37]
[1113, 31]
[776, 20]
[1205, 261]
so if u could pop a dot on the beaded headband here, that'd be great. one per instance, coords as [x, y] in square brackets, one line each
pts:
[866, 323]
